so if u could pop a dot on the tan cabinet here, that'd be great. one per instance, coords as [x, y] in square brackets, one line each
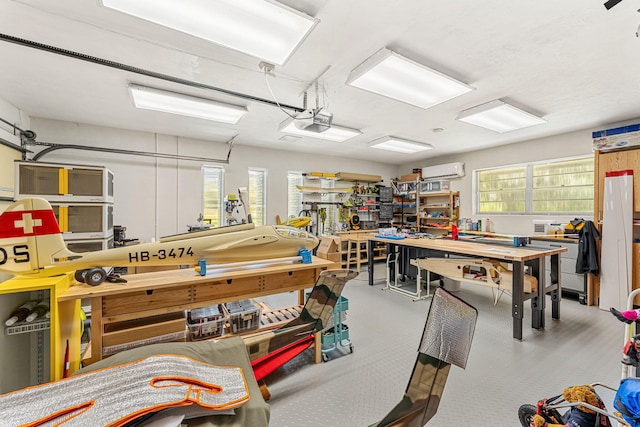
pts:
[437, 211]
[615, 161]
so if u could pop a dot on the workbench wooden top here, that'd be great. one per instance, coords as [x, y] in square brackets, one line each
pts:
[468, 247]
[171, 278]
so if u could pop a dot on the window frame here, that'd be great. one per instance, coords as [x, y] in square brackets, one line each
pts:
[528, 187]
[300, 181]
[221, 170]
[265, 172]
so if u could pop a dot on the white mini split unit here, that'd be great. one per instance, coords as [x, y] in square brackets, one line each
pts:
[448, 170]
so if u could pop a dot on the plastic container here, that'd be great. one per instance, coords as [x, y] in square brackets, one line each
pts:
[206, 322]
[244, 316]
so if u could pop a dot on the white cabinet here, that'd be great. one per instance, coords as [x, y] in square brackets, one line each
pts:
[571, 281]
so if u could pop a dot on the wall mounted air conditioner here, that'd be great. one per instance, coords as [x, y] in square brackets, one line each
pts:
[449, 170]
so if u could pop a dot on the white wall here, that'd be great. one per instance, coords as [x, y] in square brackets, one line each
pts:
[554, 147]
[15, 116]
[158, 197]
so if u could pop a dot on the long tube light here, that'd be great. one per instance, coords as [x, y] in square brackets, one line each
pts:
[499, 117]
[185, 105]
[399, 145]
[392, 75]
[264, 29]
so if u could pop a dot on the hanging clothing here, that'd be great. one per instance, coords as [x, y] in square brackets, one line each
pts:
[587, 261]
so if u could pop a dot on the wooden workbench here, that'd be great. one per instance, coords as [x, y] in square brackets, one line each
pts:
[517, 256]
[151, 294]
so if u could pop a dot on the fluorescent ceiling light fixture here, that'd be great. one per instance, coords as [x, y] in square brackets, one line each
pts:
[389, 74]
[499, 116]
[185, 105]
[334, 133]
[262, 28]
[399, 145]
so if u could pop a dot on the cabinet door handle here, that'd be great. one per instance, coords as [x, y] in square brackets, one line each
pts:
[555, 246]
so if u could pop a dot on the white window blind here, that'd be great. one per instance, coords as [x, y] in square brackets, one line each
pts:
[213, 185]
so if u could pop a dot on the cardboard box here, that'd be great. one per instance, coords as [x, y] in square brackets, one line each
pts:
[328, 244]
[410, 177]
[334, 256]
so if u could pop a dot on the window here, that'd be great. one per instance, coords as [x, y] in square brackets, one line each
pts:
[258, 195]
[213, 185]
[294, 196]
[502, 190]
[562, 187]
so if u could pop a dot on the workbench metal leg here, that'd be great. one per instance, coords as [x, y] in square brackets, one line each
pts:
[370, 261]
[538, 302]
[392, 268]
[392, 261]
[556, 294]
[517, 297]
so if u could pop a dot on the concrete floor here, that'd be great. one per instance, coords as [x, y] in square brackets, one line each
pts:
[502, 373]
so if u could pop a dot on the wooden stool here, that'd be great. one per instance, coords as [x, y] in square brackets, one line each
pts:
[356, 247]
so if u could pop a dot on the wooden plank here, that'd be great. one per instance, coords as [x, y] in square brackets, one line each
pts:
[360, 177]
[509, 253]
[278, 317]
[615, 161]
[151, 327]
[227, 290]
[156, 293]
[136, 302]
[173, 278]
[277, 283]
[493, 273]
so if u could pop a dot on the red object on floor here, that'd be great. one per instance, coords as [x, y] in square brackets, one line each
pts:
[266, 364]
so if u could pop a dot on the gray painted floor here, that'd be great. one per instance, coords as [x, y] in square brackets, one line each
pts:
[358, 389]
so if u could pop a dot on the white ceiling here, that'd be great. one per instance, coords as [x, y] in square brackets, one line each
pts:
[571, 61]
